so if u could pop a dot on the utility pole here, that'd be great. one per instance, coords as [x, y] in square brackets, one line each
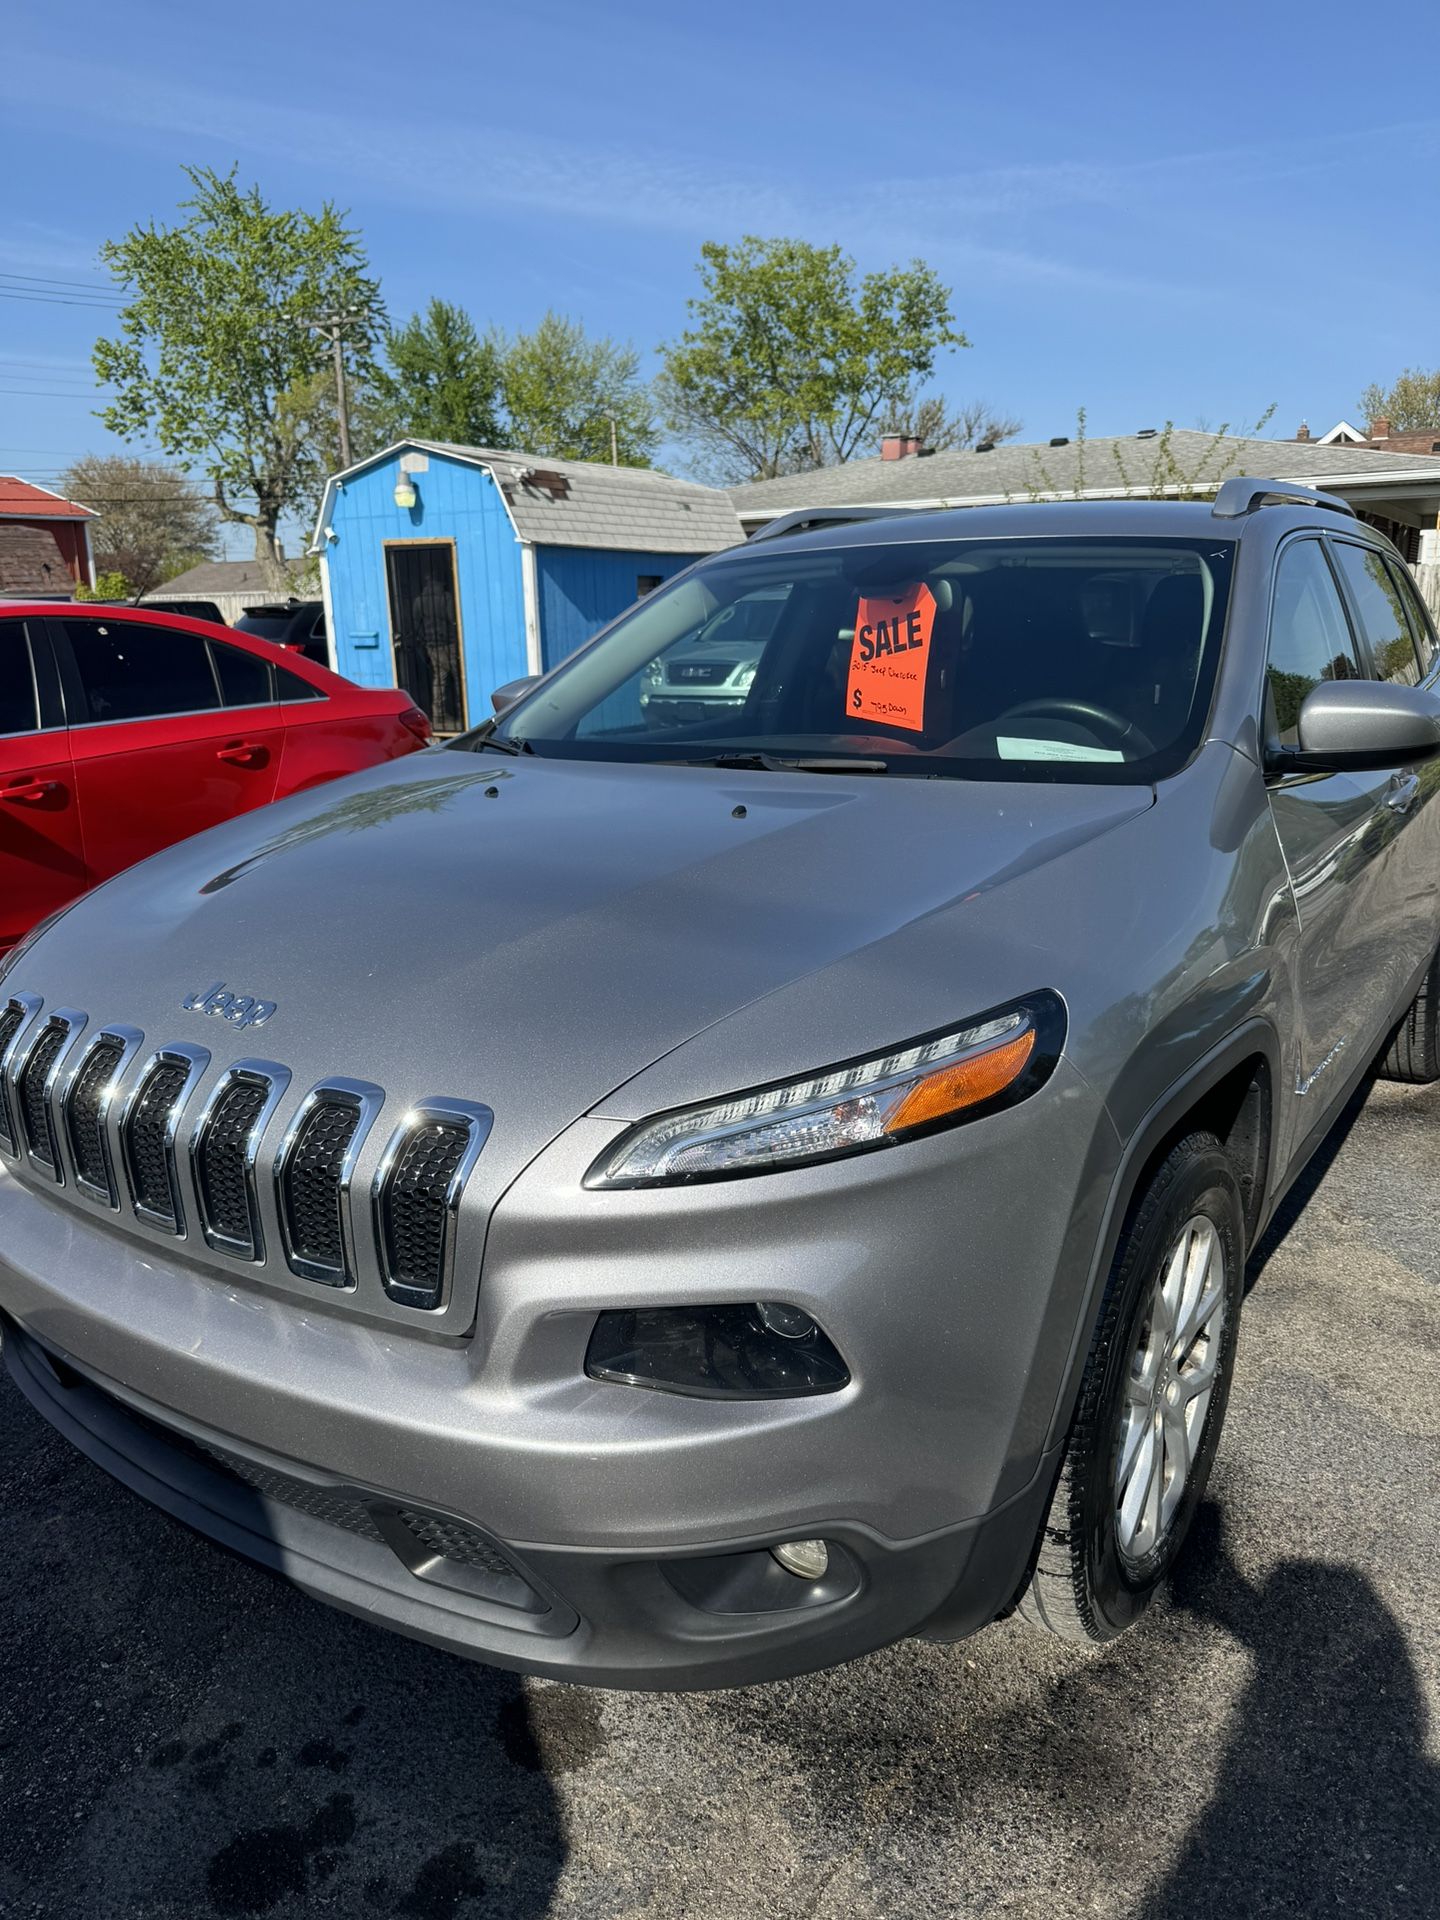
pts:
[333, 327]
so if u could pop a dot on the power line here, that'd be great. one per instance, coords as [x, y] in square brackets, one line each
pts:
[52, 280]
[59, 300]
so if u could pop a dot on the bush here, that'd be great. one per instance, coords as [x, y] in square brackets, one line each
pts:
[108, 586]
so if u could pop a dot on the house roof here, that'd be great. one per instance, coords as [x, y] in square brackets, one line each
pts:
[31, 563]
[580, 503]
[23, 500]
[1103, 468]
[203, 582]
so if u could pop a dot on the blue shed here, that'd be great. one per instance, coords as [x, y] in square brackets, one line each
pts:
[449, 570]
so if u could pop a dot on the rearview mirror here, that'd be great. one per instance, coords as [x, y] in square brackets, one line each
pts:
[1352, 725]
[512, 691]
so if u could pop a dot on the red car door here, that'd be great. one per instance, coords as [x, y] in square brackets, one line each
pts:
[171, 733]
[42, 861]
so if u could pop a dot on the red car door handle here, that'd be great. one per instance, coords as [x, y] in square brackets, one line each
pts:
[242, 753]
[30, 790]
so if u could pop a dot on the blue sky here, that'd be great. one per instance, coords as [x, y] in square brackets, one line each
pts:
[1155, 213]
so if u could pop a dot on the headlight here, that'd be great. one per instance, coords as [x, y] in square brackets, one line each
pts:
[937, 1081]
[22, 946]
[744, 677]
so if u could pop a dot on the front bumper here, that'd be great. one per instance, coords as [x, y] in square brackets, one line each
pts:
[593, 1617]
[626, 1526]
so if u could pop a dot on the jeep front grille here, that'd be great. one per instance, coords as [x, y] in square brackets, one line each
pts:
[11, 1015]
[84, 1117]
[34, 1109]
[224, 1150]
[148, 1135]
[315, 1167]
[417, 1194]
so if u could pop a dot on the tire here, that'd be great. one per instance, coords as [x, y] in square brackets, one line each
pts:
[1413, 1055]
[1104, 1550]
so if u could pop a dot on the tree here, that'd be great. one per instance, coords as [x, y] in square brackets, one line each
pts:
[1411, 404]
[792, 361]
[153, 522]
[442, 381]
[563, 393]
[217, 359]
[969, 425]
[1158, 466]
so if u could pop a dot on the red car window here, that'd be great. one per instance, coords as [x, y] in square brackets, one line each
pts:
[130, 670]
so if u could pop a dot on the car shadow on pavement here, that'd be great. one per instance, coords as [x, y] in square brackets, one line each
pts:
[1326, 1800]
[210, 1742]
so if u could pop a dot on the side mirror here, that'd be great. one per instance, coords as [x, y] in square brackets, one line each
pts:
[1354, 725]
[512, 691]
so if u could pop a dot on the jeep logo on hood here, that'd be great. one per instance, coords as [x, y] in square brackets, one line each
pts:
[240, 1009]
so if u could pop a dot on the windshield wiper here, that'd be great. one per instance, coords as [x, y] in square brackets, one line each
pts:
[493, 745]
[775, 763]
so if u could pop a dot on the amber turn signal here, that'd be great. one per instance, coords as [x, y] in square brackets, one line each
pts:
[965, 1084]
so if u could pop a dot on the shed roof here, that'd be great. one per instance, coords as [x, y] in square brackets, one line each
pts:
[1111, 466]
[23, 500]
[580, 503]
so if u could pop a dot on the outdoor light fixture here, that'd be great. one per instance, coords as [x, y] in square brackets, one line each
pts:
[405, 494]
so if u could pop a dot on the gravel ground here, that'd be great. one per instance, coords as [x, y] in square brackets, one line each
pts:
[183, 1736]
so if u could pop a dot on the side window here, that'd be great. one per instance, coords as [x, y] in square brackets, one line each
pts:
[19, 711]
[1419, 621]
[317, 632]
[1309, 638]
[1382, 612]
[130, 671]
[647, 583]
[289, 686]
[244, 680]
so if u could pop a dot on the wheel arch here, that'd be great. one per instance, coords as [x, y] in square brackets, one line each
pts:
[1231, 1092]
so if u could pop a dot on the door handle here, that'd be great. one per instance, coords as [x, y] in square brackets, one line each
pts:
[242, 753]
[1403, 792]
[30, 790]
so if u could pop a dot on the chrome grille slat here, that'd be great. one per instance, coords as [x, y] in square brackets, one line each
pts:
[147, 1133]
[223, 1153]
[82, 1109]
[313, 1172]
[416, 1197]
[19, 1008]
[34, 1112]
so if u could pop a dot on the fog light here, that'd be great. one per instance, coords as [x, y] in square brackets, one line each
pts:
[789, 1322]
[806, 1559]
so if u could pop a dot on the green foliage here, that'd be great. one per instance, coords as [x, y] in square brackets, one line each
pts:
[561, 390]
[153, 522]
[108, 586]
[1152, 469]
[441, 381]
[216, 359]
[793, 362]
[1411, 404]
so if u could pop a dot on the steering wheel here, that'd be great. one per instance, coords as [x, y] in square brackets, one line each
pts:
[1114, 729]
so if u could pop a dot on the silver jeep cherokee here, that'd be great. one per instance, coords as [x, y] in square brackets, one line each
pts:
[681, 1203]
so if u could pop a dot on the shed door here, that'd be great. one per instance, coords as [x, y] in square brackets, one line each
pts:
[425, 629]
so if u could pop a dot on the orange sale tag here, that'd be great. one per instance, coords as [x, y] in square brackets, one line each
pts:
[889, 658]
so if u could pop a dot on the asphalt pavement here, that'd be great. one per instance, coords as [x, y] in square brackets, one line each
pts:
[184, 1736]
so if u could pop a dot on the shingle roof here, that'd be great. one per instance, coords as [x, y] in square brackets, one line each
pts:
[23, 500]
[221, 576]
[1110, 466]
[619, 508]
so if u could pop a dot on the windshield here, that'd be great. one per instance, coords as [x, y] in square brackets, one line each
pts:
[1082, 660]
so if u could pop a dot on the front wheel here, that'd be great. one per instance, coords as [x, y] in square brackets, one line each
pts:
[1413, 1055]
[1152, 1402]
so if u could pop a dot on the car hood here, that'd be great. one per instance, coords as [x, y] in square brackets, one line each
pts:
[534, 933]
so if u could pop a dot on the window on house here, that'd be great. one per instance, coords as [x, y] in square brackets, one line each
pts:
[647, 583]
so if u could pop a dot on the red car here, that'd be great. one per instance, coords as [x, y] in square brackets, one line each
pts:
[121, 732]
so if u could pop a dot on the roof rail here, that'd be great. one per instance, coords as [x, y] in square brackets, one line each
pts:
[804, 518]
[1243, 495]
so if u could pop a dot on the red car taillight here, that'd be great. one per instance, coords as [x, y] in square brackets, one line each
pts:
[417, 723]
